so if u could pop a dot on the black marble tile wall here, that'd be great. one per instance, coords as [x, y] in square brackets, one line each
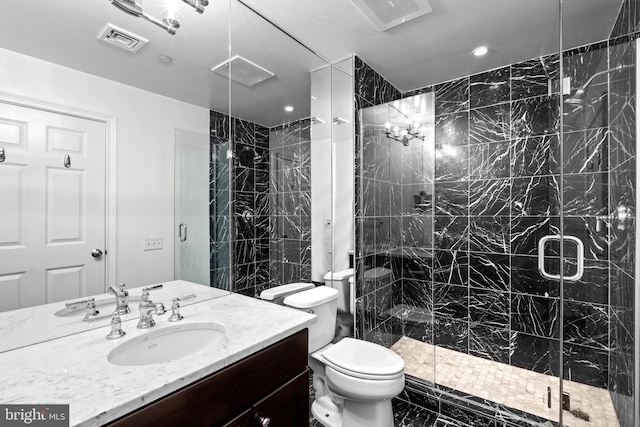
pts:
[371, 87]
[220, 193]
[239, 199]
[289, 207]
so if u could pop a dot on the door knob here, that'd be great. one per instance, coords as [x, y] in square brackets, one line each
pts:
[96, 253]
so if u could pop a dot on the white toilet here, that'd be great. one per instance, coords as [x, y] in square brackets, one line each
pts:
[354, 380]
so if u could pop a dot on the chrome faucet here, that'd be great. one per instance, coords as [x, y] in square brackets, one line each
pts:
[148, 308]
[122, 298]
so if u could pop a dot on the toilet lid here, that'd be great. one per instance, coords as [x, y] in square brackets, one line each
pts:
[363, 359]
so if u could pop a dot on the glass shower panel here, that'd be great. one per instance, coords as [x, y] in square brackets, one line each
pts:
[395, 224]
[598, 208]
[192, 207]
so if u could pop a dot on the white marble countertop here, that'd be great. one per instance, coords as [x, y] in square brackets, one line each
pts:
[17, 326]
[74, 369]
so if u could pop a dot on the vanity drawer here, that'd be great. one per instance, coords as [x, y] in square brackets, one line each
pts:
[228, 392]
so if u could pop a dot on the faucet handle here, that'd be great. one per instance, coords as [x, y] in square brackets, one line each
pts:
[92, 311]
[116, 325]
[145, 292]
[175, 308]
[79, 302]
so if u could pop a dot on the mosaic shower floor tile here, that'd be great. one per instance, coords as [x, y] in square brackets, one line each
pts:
[514, 387]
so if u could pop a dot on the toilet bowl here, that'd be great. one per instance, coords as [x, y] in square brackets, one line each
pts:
[354, 380]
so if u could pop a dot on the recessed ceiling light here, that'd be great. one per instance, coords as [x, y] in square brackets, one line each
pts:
[481, 50]
[288, 108]
[165, 59]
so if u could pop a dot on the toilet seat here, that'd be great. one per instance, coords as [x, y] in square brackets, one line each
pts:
[363, 390]
[363, 360]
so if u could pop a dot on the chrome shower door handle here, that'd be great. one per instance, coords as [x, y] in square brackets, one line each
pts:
[182, 232]
[541, 244]
[2, 155]
[580, 257]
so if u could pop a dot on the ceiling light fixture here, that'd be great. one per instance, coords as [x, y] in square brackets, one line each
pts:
[480, 51]
[288, 108]
[413, 130]
[169, 24]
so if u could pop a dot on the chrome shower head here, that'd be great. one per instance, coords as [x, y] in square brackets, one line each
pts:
[578, 97]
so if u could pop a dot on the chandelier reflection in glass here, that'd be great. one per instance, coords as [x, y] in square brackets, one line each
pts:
[170, 24]
[404, 135]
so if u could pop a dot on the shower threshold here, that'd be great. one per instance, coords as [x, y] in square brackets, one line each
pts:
[511, 386]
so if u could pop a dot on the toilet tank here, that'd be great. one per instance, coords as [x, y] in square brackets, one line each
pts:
[323, 302]
[277, 294]
[339, 280]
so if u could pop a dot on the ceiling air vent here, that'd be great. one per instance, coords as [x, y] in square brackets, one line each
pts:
[243, 71]
[122, 38]
[386, 14]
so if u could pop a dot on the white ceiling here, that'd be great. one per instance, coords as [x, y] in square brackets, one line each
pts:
[430, 49]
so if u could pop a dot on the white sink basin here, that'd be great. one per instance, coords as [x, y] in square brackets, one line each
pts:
[164, 344]
[105, 305]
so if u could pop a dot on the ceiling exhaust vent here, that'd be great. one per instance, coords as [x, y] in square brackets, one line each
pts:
[386, 14]
[243, 71]
[122, 38]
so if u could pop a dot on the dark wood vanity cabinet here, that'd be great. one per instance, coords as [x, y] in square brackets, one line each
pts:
[287, 406]
[271, 384]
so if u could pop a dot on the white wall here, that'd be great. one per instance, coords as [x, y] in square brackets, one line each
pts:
[146, 125]
[332, 169]
[321, 175]
[343, 163]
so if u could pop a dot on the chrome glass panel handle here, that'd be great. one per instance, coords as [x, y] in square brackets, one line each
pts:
[541, 244]
[182, 232]
[2, 155]
[580, 257]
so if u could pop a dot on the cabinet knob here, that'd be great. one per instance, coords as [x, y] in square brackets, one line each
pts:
[264, 421]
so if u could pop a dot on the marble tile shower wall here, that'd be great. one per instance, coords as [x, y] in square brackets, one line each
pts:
[240, 222]
[290, 204]
[219, 199]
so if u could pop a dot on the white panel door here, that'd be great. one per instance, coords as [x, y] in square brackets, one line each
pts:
[52, 207]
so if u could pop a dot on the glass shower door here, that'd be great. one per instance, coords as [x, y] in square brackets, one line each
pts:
[191, 173]
[597, 220]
